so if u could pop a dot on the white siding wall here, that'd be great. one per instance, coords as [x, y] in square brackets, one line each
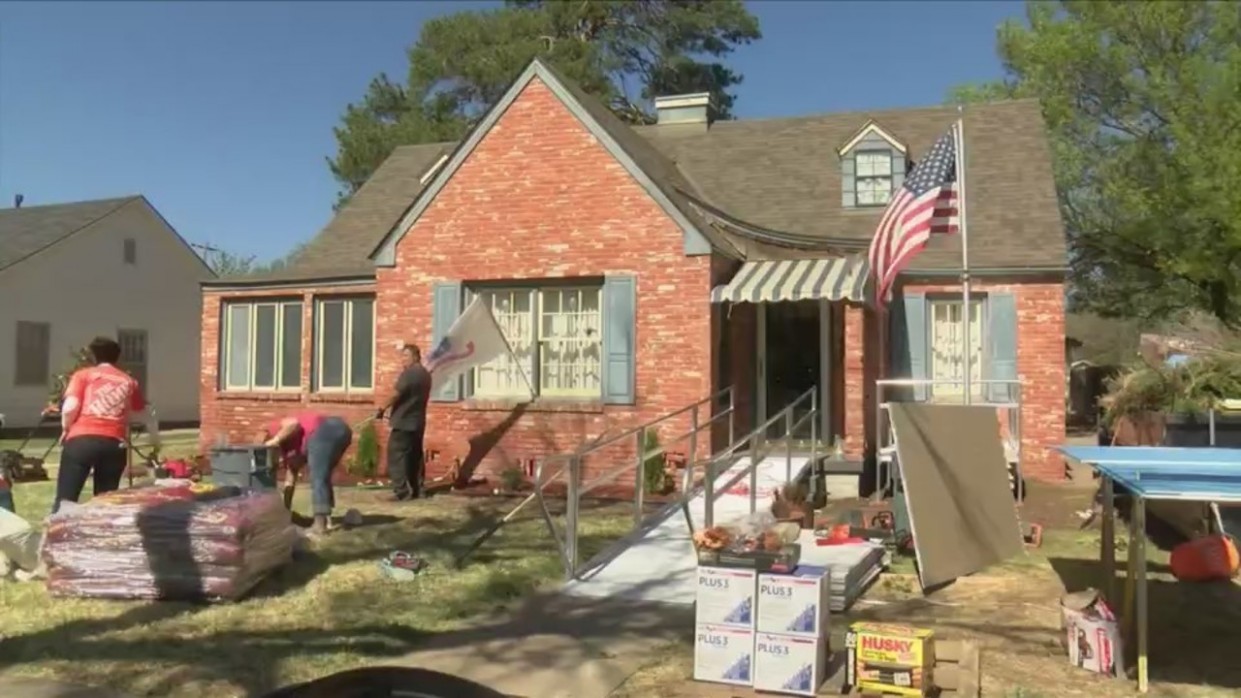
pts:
[82, 288]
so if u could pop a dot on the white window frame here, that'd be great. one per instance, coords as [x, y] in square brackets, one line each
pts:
[535, 369]
[859, 178]
[250, 385]
[347, 349]
[955, 392]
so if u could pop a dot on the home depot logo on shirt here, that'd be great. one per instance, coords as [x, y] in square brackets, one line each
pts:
[107, 396]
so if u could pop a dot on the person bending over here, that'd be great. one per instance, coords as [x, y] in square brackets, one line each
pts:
[100, 403]
[317, 442]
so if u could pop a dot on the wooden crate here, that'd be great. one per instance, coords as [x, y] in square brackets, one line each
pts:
[957, 670]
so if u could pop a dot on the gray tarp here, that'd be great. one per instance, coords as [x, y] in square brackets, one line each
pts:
[956, 485]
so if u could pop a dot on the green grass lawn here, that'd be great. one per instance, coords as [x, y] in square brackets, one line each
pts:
[176, 443]
[328, 611]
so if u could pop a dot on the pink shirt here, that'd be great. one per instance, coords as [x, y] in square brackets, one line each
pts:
[295, 444]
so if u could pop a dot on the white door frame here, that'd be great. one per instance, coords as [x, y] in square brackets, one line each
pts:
[825, 367]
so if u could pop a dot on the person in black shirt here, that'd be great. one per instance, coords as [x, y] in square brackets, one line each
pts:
[408, 422]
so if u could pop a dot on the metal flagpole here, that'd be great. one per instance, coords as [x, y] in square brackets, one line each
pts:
[967, 336]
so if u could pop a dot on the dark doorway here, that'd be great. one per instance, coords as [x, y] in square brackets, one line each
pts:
[793, 361]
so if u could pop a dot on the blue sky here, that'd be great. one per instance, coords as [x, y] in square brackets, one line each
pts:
[221, 113]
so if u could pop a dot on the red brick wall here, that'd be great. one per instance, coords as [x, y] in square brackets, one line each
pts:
[541, 198]
[858, 380]
[237, 417]
[1040, 366]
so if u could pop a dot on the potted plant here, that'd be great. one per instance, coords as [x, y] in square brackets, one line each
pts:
[792, 505]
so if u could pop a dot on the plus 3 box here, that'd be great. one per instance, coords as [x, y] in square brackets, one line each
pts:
[794, 604]
[789, 664]
[725, 597]
[724, 654]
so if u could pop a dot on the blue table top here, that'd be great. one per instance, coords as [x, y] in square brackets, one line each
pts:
[1163, 472]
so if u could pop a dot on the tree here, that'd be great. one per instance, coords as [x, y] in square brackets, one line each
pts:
[1143, 103]
[225, 263]
[624, 53]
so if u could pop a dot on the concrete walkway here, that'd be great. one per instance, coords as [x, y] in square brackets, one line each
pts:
[22, 687]
[557, 646]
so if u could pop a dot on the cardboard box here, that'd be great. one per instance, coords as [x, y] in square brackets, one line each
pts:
[789, 664]
[886, 658]
[1092, 633]
[794, 604]
[724, 654]
[726, 597]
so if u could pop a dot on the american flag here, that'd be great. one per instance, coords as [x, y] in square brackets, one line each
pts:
[925, 204]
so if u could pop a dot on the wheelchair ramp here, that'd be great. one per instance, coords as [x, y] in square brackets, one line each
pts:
[660, 566]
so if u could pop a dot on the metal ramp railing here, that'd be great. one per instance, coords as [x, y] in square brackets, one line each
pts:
[1009, 392]
[570, 464]
[756, 442]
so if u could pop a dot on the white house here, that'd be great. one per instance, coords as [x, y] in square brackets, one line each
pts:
[114, 267]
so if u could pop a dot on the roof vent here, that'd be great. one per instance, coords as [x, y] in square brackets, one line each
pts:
[698, 108]
[17, 201]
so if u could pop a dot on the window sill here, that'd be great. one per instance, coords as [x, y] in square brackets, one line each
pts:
[344, 398]
[546, 404]
[264, 395]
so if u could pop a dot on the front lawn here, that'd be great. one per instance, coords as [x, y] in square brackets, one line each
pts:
[330, 610]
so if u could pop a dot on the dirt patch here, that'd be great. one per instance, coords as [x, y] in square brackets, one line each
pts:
[1012, 612]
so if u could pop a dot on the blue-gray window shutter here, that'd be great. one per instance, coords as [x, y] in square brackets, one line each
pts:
[898, 170]
[445, 307]
[619, 334]
[848, 185]
[913, 313]
[1001, 344]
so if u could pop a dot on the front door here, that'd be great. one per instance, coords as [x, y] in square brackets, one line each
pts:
[793, 361]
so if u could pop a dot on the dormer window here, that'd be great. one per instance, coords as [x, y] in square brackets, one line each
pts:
[872, 167]
[873, 179]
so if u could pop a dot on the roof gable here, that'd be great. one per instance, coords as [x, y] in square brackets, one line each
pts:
[645, 164]
[870, 129]
[26, 231]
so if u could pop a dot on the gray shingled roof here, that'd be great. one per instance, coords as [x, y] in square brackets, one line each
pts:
[784, 175]
[778, 175]
[30, 229]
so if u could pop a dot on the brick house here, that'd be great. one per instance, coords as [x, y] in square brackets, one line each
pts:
[635, 270]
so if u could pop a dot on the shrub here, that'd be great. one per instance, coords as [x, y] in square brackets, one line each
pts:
[365, 462]
[512, 478]
[654, 478]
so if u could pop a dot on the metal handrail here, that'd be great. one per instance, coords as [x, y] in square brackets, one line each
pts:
[572, 464]
[758, 450]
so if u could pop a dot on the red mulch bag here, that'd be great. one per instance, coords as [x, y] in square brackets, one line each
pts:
[179, 541]
[1207, 559]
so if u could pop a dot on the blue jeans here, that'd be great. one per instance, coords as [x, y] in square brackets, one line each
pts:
[324, 450]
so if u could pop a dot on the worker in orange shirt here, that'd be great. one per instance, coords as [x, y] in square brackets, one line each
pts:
[99, 404]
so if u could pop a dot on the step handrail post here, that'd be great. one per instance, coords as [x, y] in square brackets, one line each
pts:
[639, 489]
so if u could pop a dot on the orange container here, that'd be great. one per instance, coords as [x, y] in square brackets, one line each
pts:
[1205, 559]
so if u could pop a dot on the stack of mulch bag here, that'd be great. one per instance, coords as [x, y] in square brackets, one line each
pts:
[177, 540]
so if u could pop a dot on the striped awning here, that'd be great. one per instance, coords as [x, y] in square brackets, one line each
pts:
[834, 279]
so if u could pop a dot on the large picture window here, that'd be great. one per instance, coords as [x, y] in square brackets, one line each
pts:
[345, 345]
[262, 346]
[555, 335]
